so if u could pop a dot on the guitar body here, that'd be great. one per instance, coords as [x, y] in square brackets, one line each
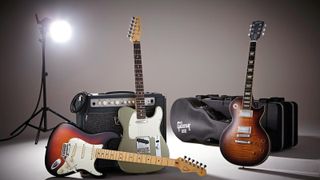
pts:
[80, 156]
[244, 142]
[141, 137]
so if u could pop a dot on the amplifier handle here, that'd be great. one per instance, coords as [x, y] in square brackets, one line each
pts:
[120, 92]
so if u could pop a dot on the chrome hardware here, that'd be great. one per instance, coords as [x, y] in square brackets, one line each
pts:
[244, 129]
[243, 135]
[242, 142]
[119, 102]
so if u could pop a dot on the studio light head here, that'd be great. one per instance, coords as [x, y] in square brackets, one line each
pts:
[60, 31]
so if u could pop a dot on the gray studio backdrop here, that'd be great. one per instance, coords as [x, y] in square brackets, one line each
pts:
[189, 47]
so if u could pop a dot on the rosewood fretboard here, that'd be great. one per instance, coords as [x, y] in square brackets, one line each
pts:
[247, 97]
[140, 104]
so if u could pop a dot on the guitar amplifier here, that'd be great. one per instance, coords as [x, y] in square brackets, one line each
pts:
[98, 112]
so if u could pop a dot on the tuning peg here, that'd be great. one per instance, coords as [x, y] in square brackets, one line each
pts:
[265, 25]
[133, 17]
[185, 157]
[197, 162]
[249, 34]
[262, 34]
[250, 25]
[200, 164]
[204, 166]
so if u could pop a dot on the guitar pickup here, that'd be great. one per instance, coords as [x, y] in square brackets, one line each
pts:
[242, 142]
[244, 129]
[246, 113]
[243, 135]
[65, 150]
[143, 141]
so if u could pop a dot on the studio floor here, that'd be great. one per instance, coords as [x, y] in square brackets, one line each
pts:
[21, 159]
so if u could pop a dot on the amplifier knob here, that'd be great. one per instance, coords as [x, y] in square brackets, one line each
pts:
[129, 102]
[125, 102]
[104, 102]
[111, 102]
[117, 102]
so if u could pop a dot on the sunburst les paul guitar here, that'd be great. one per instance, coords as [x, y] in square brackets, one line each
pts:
[70, 150]
[141, 134]
[244, 142]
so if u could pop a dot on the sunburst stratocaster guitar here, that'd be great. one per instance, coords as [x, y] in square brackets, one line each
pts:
[70, 150]
[244, 142]
[141, 134]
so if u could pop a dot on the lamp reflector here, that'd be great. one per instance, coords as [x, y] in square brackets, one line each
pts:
[60, 31]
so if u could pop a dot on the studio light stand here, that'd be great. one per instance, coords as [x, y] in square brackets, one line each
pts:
[43, 126]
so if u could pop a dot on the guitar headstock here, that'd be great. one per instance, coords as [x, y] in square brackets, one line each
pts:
[135, 29]
[187, 165]
[257, 28]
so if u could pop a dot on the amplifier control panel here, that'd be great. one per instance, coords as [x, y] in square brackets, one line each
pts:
[119, 102]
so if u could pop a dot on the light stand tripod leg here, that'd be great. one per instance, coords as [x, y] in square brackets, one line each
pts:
[59, 115]
[27, 122]
[43, 118]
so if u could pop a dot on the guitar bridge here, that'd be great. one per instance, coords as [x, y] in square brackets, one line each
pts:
[243, 135]
[242, 142]
[143, 145]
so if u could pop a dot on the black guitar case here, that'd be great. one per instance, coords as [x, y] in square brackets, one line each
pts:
[202, 119]
[194, 121]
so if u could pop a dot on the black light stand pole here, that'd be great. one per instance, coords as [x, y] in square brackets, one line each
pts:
[41, 128]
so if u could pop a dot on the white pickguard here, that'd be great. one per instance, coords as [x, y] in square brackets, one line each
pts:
[81, 155]
[150, 126]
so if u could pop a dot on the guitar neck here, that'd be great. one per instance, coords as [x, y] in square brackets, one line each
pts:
[140, 104]
[134, 157]
[247, 97]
